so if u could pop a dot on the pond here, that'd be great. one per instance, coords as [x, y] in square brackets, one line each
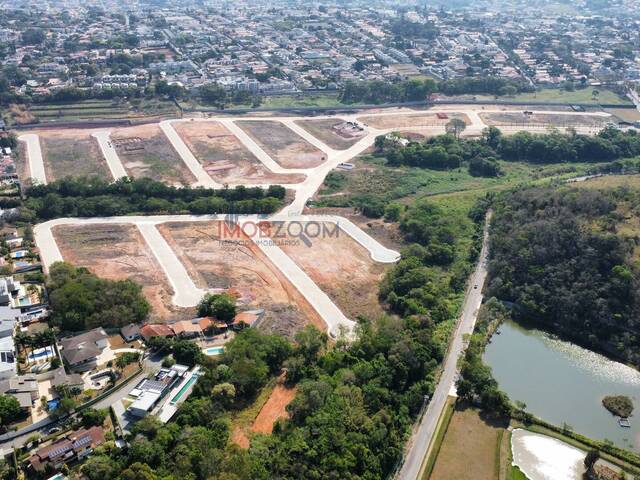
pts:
[563, 383]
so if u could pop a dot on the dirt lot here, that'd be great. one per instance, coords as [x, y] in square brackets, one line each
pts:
[240, 265]
[274, 409]
[626, 114]
[468, 450]
[145, 152]
[411, 120]
[333, 132]
[282, 144]
[22, 164]
[341, 267]
[118, 252]
[519, 118]
[225, 158]
[71, 153]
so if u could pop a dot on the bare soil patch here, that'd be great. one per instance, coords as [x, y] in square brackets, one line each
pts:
[544, 119]
[282, 144]
[21, 159]
[225, 158]
[412, 120]
[625, 114]
[336, 133]
[71, 153]
[341, 267]
[274, 409]
[119, 252]
[468, 450]
[145, 151]
[238, 264]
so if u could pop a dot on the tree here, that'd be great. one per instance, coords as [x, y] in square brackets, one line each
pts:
[186, 352]
[213, 93]
[590, 459]
[93, 417]
[99, 467]
[221, 306]
[9, 409]
[455, 126]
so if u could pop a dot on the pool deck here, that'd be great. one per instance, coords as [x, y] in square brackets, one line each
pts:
[170, 403]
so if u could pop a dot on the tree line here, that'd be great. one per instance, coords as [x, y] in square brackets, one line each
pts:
[94, 197]
[382, 91]
[481, 155]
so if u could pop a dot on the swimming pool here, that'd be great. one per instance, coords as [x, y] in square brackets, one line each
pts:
[45, 352]
[185, 387]
[213, 350]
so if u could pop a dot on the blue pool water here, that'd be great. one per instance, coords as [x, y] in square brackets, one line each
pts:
[45, 352]
[185, 387]
[53, 404]
[214, 350]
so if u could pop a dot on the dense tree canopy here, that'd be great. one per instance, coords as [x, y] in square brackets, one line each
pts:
[80, 301]
[558, 258]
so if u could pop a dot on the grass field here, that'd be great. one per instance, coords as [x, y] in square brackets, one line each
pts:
[563, 96]
[373, 177]
[102, 109]
[315, 100]
[468, 450]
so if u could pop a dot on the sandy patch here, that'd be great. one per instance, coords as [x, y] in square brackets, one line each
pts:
[273, 409]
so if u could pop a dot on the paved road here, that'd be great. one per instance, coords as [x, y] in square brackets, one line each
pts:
[34, 154]
[185, 292]
[425, 431]
[110, 155]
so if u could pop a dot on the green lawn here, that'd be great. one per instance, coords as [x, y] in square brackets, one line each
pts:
[516, 474]
[316, 100]
[559, 95]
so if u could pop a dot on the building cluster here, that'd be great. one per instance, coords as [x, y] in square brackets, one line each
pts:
[296, 47]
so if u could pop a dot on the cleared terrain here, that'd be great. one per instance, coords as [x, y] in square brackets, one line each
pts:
[71, 153]
[118, 252]
[145, 152]
[282, 144]
[240, 266]
[224, 157]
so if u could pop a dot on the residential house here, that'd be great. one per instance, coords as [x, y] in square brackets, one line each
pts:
[23, 388]
[130, 332]
[8, 364]
[81, 352]
[70, 380]
[151, 330]
[75, 446]
[187, 328]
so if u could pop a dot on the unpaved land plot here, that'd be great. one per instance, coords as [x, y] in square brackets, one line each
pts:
[72, 153]
[625, 114]
[468, 450]
[21, 159]
[118, 252]
[336, 133]
[282, 144]
[412, 120]
[224, 157]
[145, 152]
[544, 119]
[273, 409]
[238, 264]
[342, 268]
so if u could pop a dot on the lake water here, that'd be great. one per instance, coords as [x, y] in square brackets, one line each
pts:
[563, 383]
